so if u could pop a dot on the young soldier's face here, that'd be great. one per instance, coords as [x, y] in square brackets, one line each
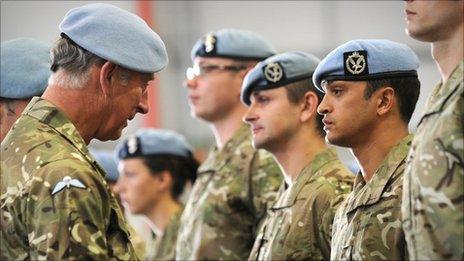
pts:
[348, 117]
[138, 189]
[214, 93]
[273, 119]
[432, 21]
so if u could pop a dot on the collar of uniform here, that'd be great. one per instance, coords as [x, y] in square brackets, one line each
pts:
[310, 173]
[442, 92]
[369, 193]
[217, 158]
[49, 114]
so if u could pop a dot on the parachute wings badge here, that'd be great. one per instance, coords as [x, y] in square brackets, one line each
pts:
[66, 183]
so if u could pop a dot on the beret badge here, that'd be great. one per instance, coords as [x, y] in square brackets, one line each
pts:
[355, 63]
[210, 43]
[132, 145]
[273, 72]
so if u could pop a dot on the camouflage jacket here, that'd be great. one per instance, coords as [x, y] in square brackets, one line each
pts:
[367, 226]
[433, 199]
[299, 225]
[164, 247]
[228, 201]
[55, 203]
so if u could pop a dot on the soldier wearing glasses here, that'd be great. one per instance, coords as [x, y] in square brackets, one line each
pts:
[236, 182]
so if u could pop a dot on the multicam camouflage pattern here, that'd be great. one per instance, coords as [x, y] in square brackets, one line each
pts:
[433, 198]
[164, 247]
[299, 225]
[228, 201]
[367, 225]
[42, 148]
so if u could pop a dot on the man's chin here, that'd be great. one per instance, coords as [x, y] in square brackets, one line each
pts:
[259, 144]
[114, 135]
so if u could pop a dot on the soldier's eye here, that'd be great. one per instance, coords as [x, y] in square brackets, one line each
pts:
[337, 91]
[262, 99]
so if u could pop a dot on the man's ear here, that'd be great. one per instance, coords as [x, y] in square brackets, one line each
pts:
[385, 100]
[308, 106]
[107, 74]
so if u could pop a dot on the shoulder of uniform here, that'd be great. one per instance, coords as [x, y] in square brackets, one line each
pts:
[67, 173]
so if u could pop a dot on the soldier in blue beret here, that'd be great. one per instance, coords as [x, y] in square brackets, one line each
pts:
[283, 117]
[25, 70]
[433, 195]
[371, 89]
[220, 222]
[155, 166]
[101, 66]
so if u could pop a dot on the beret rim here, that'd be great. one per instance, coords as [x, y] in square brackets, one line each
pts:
[382, 75]
[142, 155]
[250, 90]
[231, 56]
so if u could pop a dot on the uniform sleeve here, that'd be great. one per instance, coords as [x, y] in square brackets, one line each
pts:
[266, 178]
[323, 222]
[71, 223]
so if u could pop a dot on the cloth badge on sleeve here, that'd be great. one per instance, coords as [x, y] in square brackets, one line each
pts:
[67, 182]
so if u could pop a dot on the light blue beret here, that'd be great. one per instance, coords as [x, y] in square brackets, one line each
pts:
[25, 68]
[277, 71]
[146, 142]
[106, 161]
[361, 60]
[117, 36]
[233, 43]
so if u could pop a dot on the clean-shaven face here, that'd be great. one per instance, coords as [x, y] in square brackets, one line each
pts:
[216, 92]
[273, 119]
[432, 21]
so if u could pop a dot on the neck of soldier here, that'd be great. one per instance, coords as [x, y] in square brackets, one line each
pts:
[225, 127]
[448, 52]
[162, 213]
[372, 149]
[296, 152]
[74, 103]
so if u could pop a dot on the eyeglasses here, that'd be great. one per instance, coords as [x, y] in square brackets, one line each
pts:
[199, 70]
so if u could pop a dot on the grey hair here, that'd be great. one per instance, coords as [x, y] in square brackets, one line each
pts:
[71, 63]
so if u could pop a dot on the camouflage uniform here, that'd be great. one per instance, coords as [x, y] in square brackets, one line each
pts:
[433, 186]
[75, 223]
[367, 225]
[228, 201]
[164, 248]
[299, 225]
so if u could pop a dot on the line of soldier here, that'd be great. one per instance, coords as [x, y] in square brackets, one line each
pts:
[272, 190]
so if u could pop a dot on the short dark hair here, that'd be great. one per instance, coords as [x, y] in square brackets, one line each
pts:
[297, 90]
[406, 89]
[182, 169]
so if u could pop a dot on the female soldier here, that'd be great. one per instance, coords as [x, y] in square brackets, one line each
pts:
[155, 166]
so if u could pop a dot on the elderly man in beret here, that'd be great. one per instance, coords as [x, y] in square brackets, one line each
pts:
[371, 89]
[283, 117]
[433, 196]
[24, 70]
[236, 182]
[55, 202]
